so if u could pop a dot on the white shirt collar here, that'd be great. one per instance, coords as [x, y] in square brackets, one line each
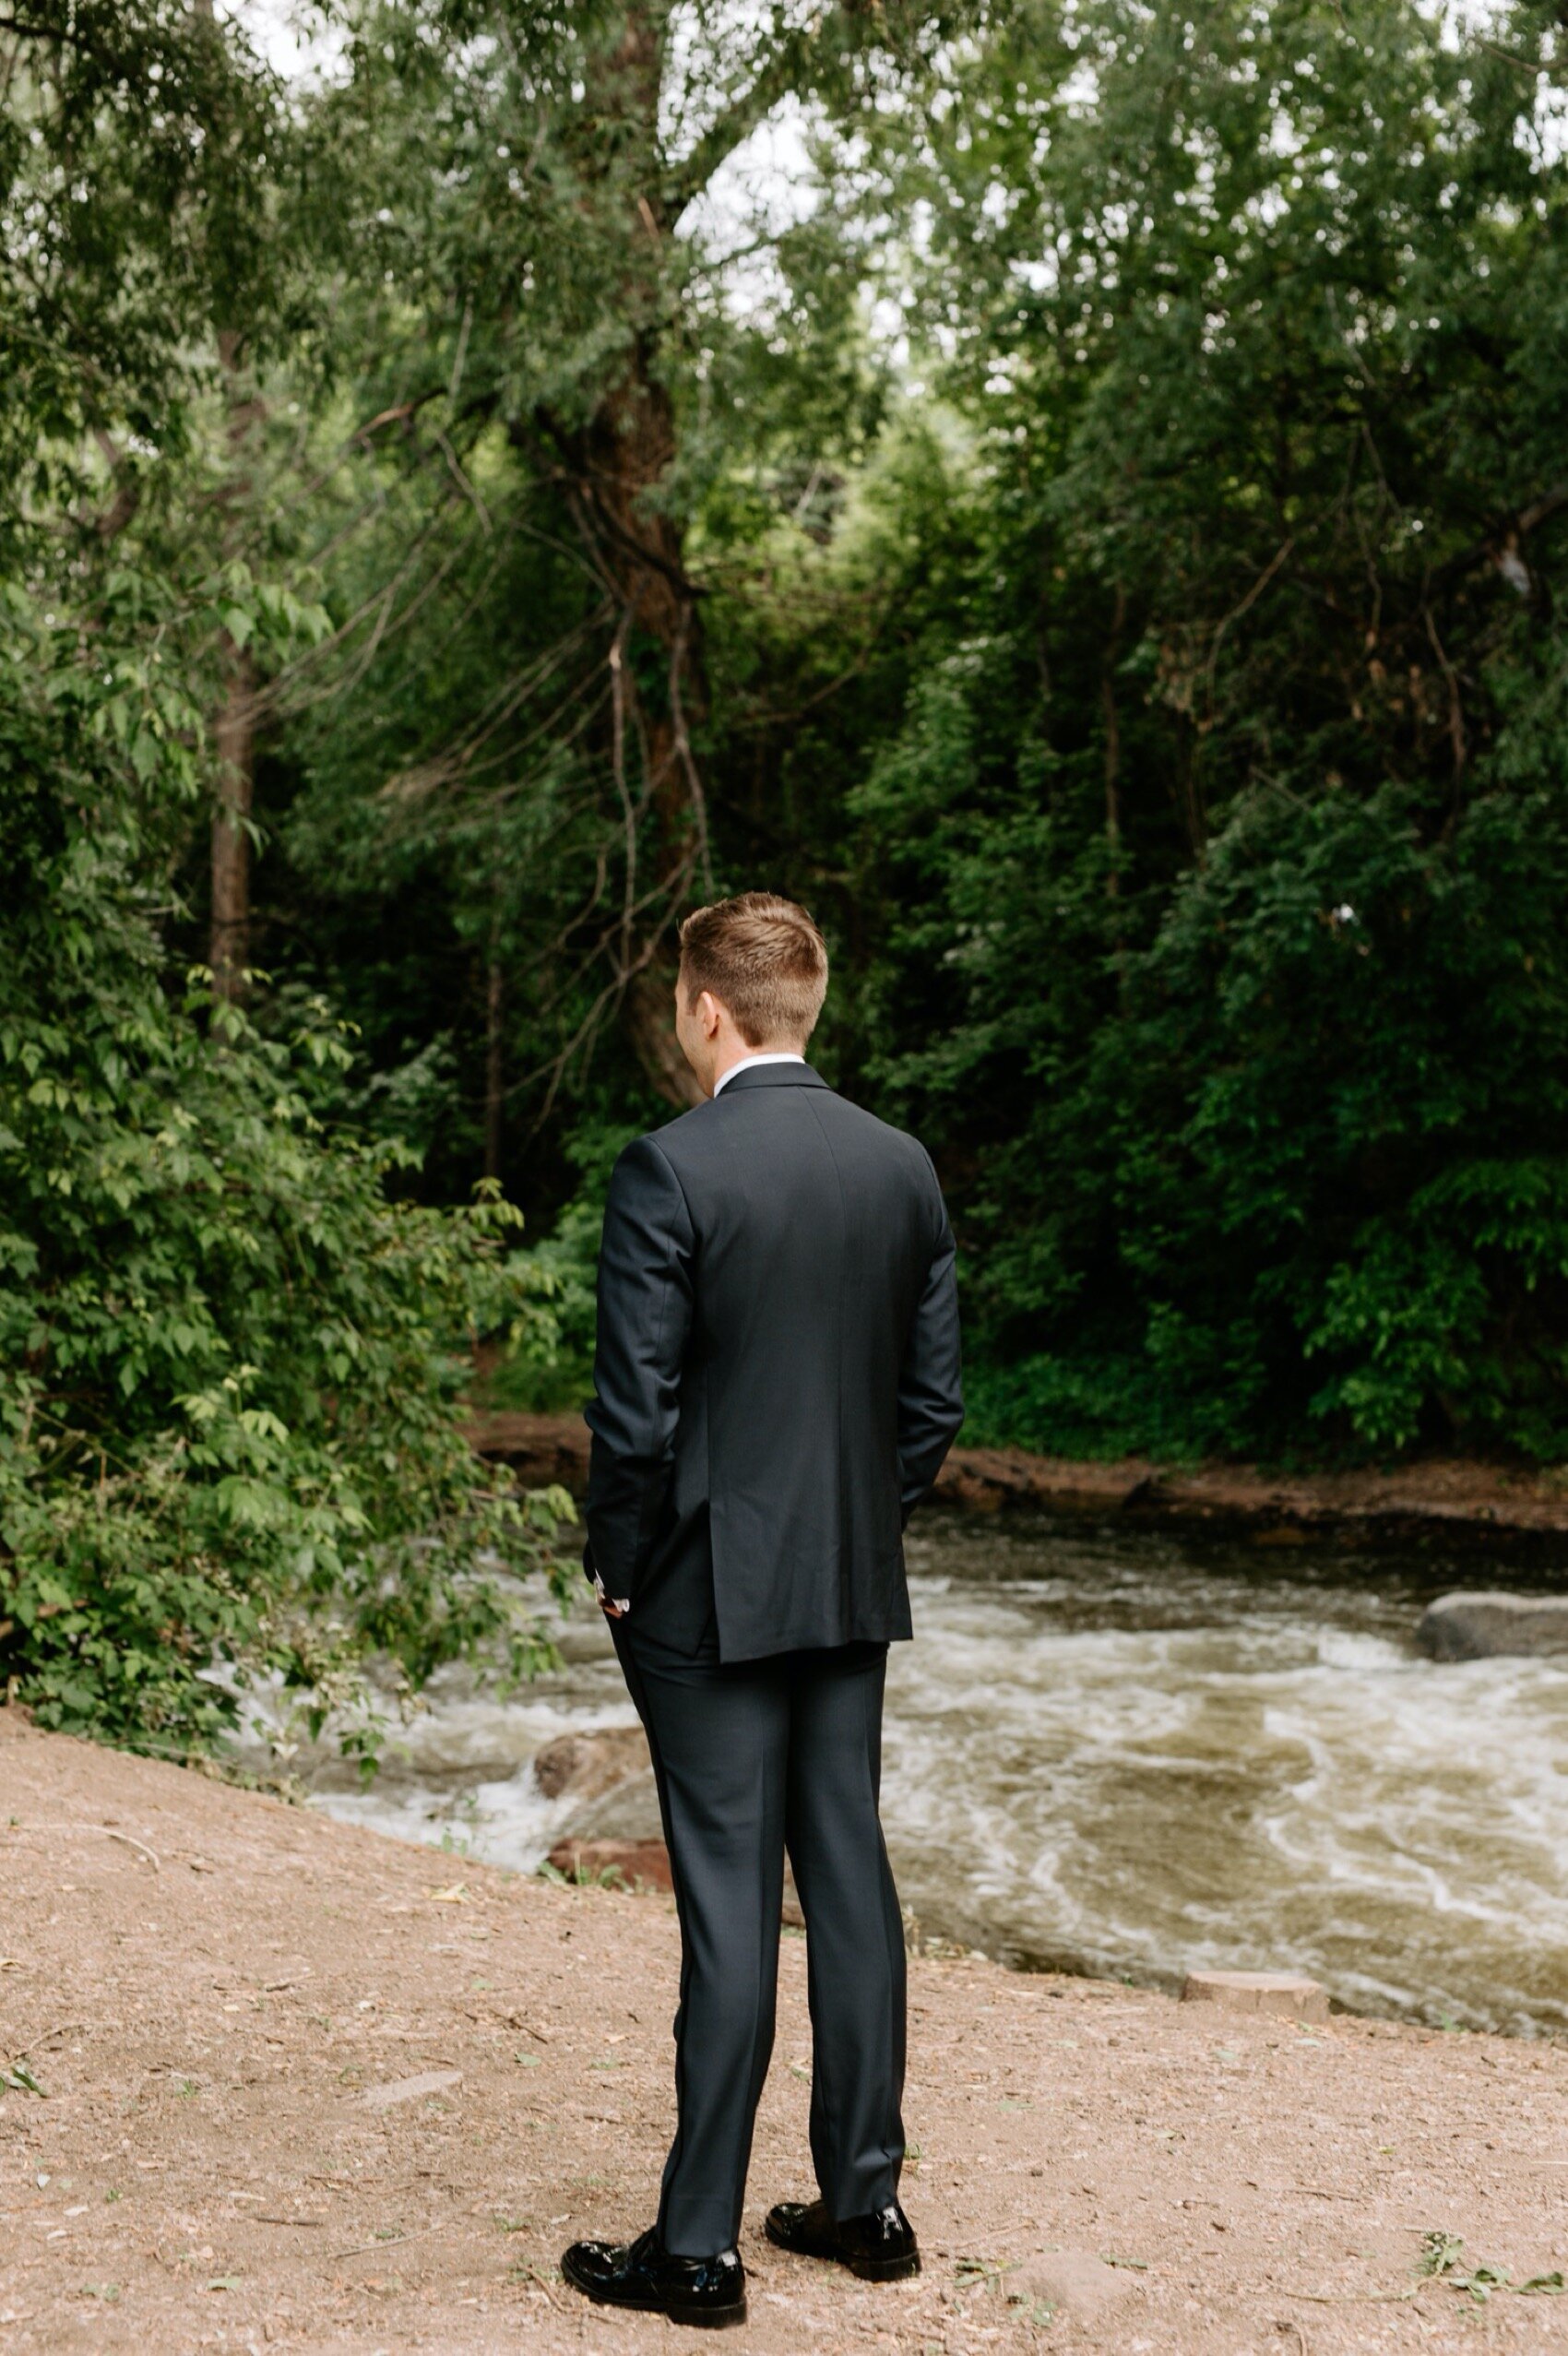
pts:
[746, 1063]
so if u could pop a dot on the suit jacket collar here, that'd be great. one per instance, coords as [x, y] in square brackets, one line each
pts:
[772, 1075]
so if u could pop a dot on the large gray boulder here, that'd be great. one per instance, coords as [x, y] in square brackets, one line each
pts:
[1473, 1628]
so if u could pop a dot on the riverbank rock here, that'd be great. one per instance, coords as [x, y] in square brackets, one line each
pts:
[628, 1811]
[1462, 1498]
[582, 1765]
[1071, 2282]
[1288, 1993]
[1474, 1627]
[644, 1864]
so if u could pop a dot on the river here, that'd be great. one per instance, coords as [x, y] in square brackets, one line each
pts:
[1133, 1753]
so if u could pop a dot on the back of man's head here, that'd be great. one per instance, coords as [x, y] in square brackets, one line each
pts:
[764, 959]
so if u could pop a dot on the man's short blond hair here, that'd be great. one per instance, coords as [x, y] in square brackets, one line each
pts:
[764, 959]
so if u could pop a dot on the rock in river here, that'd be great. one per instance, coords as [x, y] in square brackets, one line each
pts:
[594, 1761]
[1473, 1628]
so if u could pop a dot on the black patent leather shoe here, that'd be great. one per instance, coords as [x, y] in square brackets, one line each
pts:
[879, 2248]
[707, 2292]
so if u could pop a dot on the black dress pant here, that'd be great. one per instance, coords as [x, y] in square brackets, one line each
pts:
[752, 1759]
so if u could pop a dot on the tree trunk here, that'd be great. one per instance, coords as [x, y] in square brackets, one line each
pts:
[649, 1014]
[234, 722]
[233, 728]
[495, 1066]
[617, 465]
[1113, 657]
[234, 740]
[626, 452]
[1114, 747]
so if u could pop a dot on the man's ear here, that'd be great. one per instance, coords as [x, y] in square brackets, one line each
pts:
[710, 1013]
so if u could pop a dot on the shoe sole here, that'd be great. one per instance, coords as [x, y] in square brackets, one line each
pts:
[696, 2319]
[867, 2269]
[883, 2269]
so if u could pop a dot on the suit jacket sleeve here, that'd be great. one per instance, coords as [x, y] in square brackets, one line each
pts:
[930, 1397]
[644, 1318]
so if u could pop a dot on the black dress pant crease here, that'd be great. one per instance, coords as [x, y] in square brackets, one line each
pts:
[753, 1759]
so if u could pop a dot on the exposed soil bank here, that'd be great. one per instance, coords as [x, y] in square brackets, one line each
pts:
[1453, 1499]
[308, 2088]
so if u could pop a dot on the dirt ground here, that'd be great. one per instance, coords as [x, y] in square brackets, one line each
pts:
[222, 1999]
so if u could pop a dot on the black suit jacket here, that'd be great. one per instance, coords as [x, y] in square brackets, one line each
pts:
[776, 1373]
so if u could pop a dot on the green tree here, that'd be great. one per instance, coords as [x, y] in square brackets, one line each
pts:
[536, 322]
[231, 1433]
[1239, 815]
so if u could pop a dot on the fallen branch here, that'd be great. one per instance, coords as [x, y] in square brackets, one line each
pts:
[391, 2243]
[109, 1832]
[1355, 2298]
[535, 2274]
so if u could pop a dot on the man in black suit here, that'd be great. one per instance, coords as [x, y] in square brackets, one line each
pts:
[777, 1386]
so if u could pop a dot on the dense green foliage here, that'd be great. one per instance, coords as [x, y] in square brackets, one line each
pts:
[228, 1425]
[232, 1348]
[1153, 679]
[1254, 878]
[1092, 524]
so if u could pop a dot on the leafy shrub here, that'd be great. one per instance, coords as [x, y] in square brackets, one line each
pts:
[230, 1365]
[1316, 1172]
[544, 1308]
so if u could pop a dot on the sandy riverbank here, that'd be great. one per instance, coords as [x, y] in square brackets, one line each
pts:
[216, 1992]
[1448, 1499]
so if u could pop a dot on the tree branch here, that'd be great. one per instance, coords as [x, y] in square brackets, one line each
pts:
[791, 68]
[1506, 531]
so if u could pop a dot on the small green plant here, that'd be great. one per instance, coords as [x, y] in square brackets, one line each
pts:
[457, 1837]
[584, 1877]
[1442, 2260]
[525, 2270]
[984, 2274]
